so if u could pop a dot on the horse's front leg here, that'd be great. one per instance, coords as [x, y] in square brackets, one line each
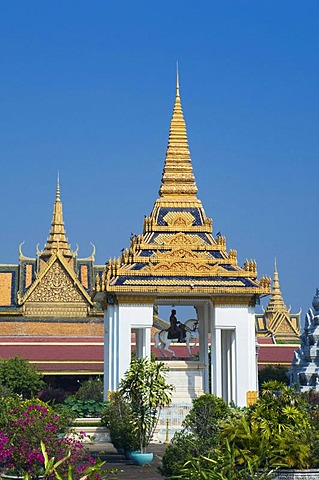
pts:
[189, 349]
[169, 350]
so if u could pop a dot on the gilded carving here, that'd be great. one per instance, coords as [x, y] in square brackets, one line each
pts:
[175, 219]
[56, 286]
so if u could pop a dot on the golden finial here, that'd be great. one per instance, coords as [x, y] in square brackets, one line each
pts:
[177, 80]
[57, 197]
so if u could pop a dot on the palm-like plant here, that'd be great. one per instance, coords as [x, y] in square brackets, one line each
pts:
[144, 387]
[274, 432]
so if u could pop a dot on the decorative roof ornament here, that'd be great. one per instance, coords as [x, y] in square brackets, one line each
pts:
[277, 321]
[276, 302]
[178, 178]
[57, 241]
[177, 253]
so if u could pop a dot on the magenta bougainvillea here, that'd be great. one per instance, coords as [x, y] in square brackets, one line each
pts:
[20, 441]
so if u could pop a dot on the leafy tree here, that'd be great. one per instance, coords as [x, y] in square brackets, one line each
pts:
[90, 390]
[20, 377]
[144, 387]
[199, 436]
[118, 418]
[273, 372]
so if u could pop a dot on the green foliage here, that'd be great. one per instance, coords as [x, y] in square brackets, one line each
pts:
[20, 377]
[144, 387]
[90, 390]
[204, 417]
[275, 372]
[118, 417]
[199, 435]
[52, 395]
[83, 408]
[6, 405]
[51, 468]
[275, 431]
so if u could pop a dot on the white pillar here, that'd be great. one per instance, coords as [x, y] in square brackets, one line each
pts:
[213, 348]
[111, 356]
[217, 363]
[143, 342]
[203, 342]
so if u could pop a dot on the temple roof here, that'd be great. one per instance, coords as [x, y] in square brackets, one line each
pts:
[177, 251]
[277, 321]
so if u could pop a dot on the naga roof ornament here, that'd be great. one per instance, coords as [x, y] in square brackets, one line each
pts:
[177, 252]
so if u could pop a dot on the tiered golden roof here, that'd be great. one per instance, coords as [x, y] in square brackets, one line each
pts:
[178, 179]
[277, 321]
[276, 302]
[57, 241]
[177, 253]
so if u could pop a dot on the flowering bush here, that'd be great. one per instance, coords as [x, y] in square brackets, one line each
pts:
[20, 441]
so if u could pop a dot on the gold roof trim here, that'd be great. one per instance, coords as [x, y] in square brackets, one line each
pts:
[57, 257]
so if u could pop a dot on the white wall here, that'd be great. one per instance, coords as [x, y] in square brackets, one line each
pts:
[241, 320]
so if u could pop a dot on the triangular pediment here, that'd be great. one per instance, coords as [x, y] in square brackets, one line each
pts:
[281, 324]
[56, 292]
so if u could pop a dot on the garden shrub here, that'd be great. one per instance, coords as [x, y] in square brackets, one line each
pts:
[20, 377]
[118, 417]
[90, 390]
[276, 430]
[199, 434]
[28, 424]
[52, 395]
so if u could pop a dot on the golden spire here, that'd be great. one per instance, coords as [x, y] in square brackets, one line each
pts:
[276, 302]
[57, 241]
[178, 178]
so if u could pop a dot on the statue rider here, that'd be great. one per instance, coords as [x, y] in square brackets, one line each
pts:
[176, 327]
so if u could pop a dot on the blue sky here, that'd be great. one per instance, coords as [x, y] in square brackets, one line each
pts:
[87, 88]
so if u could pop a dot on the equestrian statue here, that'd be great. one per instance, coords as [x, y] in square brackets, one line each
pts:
[177, 332]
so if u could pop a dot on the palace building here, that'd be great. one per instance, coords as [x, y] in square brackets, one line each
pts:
[277, 330]
[176, 260]
[72, 318]
[46, 313]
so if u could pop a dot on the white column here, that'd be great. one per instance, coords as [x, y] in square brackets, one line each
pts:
[203, 343]
[233, 366]
[143, 342]
[110, 349]
[217, 363]
[212, 347]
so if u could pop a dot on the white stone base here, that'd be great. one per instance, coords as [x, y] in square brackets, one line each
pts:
[187, 378]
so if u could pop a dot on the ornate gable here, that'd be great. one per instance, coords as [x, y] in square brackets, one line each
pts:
[56, 292]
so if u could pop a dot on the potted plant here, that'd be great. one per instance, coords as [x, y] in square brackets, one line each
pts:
[144, 387]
